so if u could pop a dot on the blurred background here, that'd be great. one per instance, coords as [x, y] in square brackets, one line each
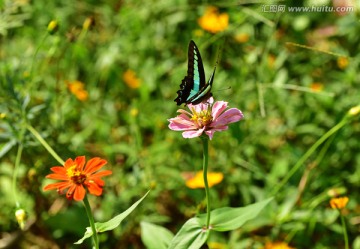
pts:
[99, 78]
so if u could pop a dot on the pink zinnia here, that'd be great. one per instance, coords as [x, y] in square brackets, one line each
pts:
[205, 117]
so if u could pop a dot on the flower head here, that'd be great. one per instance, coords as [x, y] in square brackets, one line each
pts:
[131, 79]
[75, 177]
[52, 27]
[197, 181]
[77, 88]
[277, 245]
[205, 117]
[212, 21]
[339, 203]
[20, 215]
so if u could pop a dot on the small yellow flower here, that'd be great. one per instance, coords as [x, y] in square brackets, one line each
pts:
[197, 181]
[316, 86]
[20, 215]
[134, 112]
[52, 27]
[277, 245]
[77, 88]
[339, 203]
[212, 21]
[242, 37]
[131, 80]
[2, 115]
[354, 111]
[88, 23]
[342, 62]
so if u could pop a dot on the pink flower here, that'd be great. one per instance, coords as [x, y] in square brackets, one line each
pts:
[204, 117]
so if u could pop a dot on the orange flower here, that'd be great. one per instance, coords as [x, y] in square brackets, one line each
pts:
[339, 203]
[197, 181]
[342, 62]
[76, 177]
[77, 88]
[277, 245]
[316, 86]
[131, 80]
[212, 21]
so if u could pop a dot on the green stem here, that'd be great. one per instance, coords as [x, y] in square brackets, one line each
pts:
[308, 154]
[205, 168]
[45, 144]
[346, 239]
[16, 169]
[92, 222]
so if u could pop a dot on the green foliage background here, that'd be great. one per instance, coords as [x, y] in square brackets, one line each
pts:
[270, 80]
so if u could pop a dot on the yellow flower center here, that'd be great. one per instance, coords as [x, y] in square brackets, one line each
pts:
[75, 175]
[202, 118]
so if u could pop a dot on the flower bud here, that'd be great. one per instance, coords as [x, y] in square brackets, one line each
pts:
[20, 215]
[53, 26]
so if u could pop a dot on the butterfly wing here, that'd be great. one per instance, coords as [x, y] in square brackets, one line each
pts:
[194, 81]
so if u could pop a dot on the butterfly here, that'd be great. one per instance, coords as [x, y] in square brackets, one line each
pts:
[193, 88]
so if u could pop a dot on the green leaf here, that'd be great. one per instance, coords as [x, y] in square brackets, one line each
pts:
[227, 218]
[154, 236]
[110, 224]
[191, 235]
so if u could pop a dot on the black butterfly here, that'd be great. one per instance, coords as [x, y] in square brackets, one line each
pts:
[193, 88]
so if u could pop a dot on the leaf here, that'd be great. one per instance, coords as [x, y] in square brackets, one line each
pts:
[6, 147]
[112, 223]
[154, 236]
[191, 235]
[227, 218]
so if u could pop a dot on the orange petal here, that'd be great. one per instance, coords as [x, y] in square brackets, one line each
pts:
[57, 177]
[58, 185]
[102, 173]
[95, 189]
[80, 162]
[79, 193]
[94, 164]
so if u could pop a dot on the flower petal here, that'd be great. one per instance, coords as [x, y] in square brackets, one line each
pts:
[193, 133]
[230, 116]
[218, 108]
[101, 174]
[79, 193]
[95, 189]
[94, 164]
[59, 185]
[211, 132]
[57, 177]
[181, 123]
[80, 162]
[58, 170]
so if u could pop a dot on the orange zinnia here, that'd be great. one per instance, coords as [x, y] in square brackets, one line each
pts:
[76, 177]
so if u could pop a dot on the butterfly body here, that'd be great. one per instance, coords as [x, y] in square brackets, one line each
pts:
[194, 88]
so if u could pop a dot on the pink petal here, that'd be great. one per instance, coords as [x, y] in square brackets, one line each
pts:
[230, 116]
[181, 123]
[218, 108]
[193, 133]
[211, 132]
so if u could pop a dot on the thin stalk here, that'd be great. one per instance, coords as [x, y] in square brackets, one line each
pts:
[45, 144]
[92, 222]
[205, 168]
[16, 169]
[346, 239]
[308, 154]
